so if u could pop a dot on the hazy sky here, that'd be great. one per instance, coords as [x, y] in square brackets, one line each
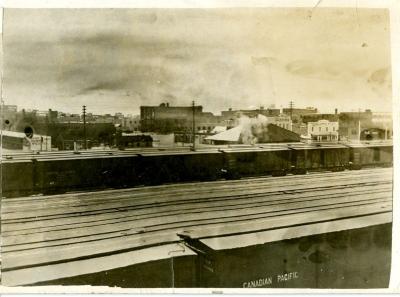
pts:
[118, 59]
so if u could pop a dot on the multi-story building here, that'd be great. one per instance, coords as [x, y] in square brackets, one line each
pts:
[315, 117]
[168, 119]
[68, 118]
[282, 121]
[323, 130]
[131, 123]
[297, 113]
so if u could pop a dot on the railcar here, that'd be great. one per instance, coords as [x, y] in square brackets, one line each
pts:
[59, 172]
[354, 258]
[370, 154]
[308, 157]
[17, 178]
[166, 167]
[262, 160]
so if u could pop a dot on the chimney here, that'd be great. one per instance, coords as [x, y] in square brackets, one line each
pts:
[167, 104]
[335, 110]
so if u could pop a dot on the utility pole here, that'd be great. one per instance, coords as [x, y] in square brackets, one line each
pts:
[193, 127]
[84, 125]
[291, 105]
[359, 124]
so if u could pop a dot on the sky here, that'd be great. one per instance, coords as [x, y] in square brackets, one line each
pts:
[114, 60]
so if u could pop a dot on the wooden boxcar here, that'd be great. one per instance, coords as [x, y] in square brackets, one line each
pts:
[319, 156]
[355, 258]
[371, 154]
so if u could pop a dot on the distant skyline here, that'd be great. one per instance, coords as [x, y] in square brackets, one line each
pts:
[20, 108]
[114, 60]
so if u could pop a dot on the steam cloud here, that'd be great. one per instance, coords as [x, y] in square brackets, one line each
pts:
[253, 129]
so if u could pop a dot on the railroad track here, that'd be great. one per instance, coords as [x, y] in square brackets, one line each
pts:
[39, 231]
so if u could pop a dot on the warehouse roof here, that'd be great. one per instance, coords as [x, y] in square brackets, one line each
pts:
[231, 135]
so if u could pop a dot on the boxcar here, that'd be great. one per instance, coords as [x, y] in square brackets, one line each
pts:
[371, 154]
[355, 258]
[167, 167]
[17, 178]
[319, 157]
[273, 160]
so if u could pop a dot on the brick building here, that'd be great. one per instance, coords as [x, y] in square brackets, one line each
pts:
[168, 119]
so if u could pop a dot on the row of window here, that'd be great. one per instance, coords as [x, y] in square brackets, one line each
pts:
[204, 128]
[327, 129]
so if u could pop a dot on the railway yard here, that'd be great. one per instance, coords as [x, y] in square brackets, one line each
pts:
[195, 234]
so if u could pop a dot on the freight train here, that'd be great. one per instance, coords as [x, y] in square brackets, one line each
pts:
[60, 172]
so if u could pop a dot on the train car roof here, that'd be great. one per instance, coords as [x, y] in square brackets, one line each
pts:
[311, 146]
[175, 153]
[43, 235]
[262, 237]
[369, 144]
[255, 149]
[165, 151]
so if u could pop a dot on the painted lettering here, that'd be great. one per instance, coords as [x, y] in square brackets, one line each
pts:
[262, 282]
[267, 281]
[287, 276]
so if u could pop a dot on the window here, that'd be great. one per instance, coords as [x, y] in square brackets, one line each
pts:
[326, 129]
[333, 128]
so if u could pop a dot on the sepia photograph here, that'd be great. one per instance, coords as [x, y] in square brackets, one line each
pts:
[197, 147]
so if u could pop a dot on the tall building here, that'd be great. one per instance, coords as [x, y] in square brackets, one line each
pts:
[168, 119]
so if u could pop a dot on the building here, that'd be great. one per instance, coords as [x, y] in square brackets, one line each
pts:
[315, 117]
[68, 118]
[297, 113]
[254, 132]
[384, 122]
[323, 130]
[169, 119]
[12, 140]
[282, 121]
[351, 124]
[131, 140]
[9, 117]
[131, 123]
[231, 118]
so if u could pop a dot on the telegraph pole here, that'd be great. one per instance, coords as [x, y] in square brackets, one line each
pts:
[84, 125]
[291, 105]
[193, 127]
